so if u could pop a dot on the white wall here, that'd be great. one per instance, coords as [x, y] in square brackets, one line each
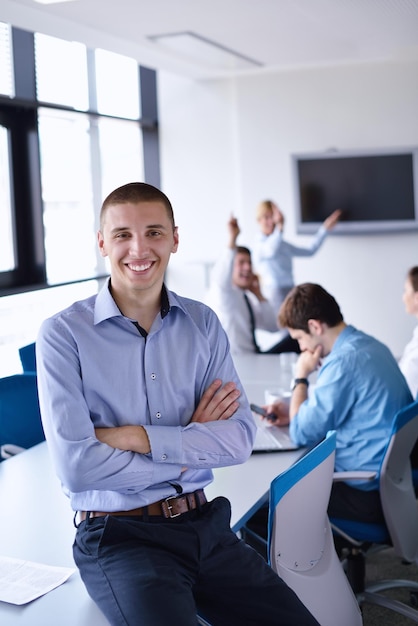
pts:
[227, 145]
[199, 171]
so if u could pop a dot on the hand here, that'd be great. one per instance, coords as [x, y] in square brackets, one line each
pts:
[308, 361]
[332, 219]
[234, 231]
[280, 410]
[129, 438]
[219, 402]
[278, 217]
[255, 288]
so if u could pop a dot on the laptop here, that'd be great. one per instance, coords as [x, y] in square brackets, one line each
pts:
[273, 439]
[270, 438]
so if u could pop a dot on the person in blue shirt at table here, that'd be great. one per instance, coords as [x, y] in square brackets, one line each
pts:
[359, 389]
[140, 400]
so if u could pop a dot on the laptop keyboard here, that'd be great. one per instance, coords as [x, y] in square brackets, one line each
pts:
[265, 440]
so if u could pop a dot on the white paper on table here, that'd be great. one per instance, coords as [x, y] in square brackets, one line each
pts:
[23, 581]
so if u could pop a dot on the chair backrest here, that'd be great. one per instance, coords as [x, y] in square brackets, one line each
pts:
[28, 358]
[301, 545]
[20, 419]
[396, 485]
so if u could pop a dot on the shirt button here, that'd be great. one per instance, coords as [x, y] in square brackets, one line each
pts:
[164, 457]
[158, 415]
[153, 376]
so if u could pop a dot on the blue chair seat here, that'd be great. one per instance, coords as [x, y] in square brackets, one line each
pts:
[28, 357]
[365, 533]
[20, 418]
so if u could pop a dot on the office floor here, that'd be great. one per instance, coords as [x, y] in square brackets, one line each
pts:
[382, 565]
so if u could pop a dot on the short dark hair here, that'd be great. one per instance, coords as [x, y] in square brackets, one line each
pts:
[309, 302]
[413, 277]
[243, 250]
[136, 192]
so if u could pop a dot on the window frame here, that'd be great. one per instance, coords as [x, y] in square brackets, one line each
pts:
[20, 114]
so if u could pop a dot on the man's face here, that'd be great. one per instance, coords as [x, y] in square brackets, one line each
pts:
[138, 239]
[242, 273]
[308, 341]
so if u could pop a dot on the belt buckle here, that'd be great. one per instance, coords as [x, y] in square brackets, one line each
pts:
[170, 508]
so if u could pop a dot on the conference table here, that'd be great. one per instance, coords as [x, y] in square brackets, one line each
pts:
[36, 521]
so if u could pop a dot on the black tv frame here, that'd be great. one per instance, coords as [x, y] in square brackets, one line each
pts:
[365, 184]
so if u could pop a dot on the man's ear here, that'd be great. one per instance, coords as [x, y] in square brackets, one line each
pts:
[176, 240]
[100, 242]
[315, 327]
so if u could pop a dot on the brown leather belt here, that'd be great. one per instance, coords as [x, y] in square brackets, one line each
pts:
[168, 508]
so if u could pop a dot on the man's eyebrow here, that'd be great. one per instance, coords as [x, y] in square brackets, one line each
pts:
[163, 226]
[118, 229]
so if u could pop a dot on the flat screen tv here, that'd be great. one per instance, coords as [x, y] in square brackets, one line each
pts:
[376, 190]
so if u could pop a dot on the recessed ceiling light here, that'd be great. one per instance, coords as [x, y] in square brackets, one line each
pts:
[197, 48]
[52, 1]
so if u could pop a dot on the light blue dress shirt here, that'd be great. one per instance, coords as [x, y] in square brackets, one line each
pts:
[358, 391]
[95, 369]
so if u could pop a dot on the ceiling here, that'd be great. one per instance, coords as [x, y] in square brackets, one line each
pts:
[267, 35]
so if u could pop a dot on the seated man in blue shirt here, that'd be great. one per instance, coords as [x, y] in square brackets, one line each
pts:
[140, 400]
[359, 389]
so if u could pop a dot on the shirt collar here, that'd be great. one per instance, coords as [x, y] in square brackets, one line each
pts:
[106, 308]
[344, 334]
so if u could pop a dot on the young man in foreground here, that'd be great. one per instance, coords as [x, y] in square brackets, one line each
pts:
[140, 400]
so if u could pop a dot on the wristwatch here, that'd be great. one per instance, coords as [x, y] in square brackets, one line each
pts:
[300, 381]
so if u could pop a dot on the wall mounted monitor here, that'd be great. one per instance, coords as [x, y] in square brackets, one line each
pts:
[376, 190]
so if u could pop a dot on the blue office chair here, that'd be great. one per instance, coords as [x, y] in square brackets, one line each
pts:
[20, 419]
[400, 510]
[300, 541]
[28, 357]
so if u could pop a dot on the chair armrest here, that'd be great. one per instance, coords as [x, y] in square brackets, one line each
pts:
[355, 475]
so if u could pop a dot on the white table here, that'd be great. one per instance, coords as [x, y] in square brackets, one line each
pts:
[247, 485]
[268, 369]
[36, 524]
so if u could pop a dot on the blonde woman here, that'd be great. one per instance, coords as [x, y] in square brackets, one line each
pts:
[273, 256]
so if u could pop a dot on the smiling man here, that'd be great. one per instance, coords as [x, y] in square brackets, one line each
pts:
[140, 400]
[235, 295]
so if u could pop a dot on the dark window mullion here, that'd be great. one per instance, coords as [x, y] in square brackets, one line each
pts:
[26, 165]
[28, 202]
[149, 117]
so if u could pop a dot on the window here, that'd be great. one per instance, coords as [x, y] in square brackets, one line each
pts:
[6, 63]
[117, 85]
[120, 144]
[77, 136]
[67, 195]
[61, 72]
[7, 249]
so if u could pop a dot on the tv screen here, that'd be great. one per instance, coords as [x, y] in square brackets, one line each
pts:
[375, 191]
